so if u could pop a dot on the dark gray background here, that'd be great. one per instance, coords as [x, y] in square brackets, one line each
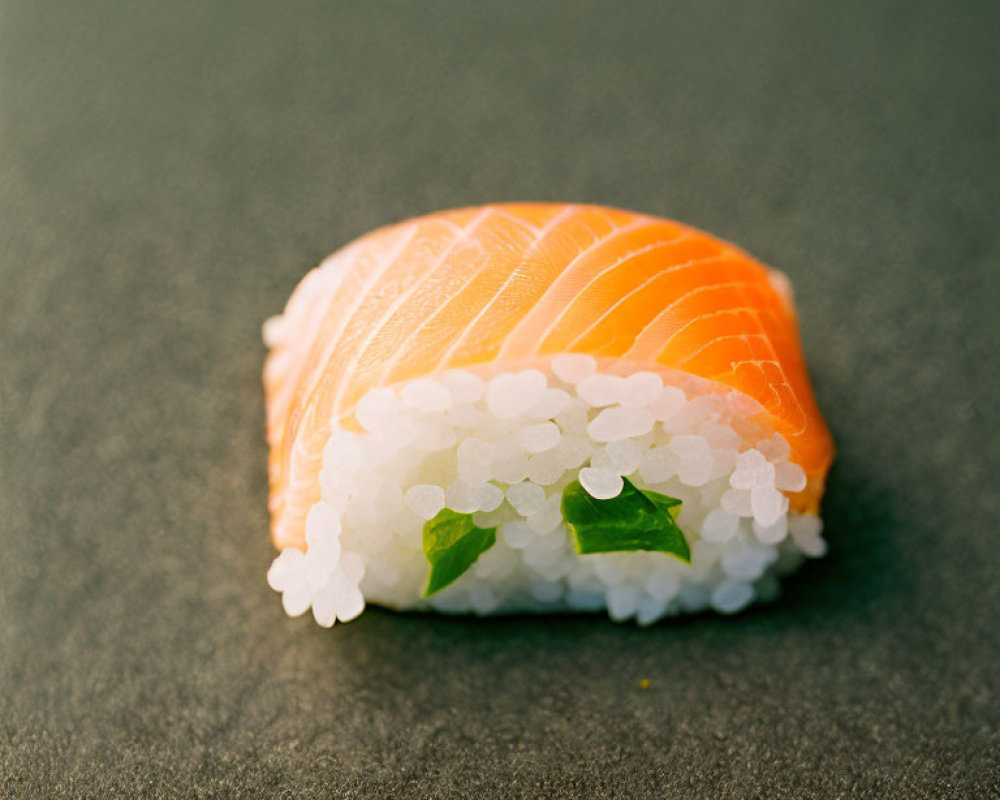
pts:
[168, 171]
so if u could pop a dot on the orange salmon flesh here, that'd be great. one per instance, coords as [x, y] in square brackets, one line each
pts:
[509, 282]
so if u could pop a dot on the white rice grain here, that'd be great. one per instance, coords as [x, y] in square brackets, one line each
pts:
[601, 484]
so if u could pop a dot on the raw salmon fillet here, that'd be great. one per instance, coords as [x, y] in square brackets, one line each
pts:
[508, 282]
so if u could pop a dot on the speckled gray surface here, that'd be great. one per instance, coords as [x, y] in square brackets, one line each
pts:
[167, 173]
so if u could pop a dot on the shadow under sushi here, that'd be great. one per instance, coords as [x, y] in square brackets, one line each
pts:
[508, 681]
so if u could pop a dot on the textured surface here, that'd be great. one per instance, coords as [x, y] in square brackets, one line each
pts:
[167, 174]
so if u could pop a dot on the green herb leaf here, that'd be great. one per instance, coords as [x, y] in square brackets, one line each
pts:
[636, 519]
[452, 543]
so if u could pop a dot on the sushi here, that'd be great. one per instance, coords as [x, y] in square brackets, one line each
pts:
[540, 407]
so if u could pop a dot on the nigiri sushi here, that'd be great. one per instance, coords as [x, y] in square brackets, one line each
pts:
[540, 407]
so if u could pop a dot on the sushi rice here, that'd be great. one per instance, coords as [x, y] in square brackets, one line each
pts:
[501, 441]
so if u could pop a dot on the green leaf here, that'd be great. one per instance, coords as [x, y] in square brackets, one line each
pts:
[452, 543]
[636, 519]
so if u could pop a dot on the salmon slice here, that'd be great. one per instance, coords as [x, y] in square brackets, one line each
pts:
[510, 282]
